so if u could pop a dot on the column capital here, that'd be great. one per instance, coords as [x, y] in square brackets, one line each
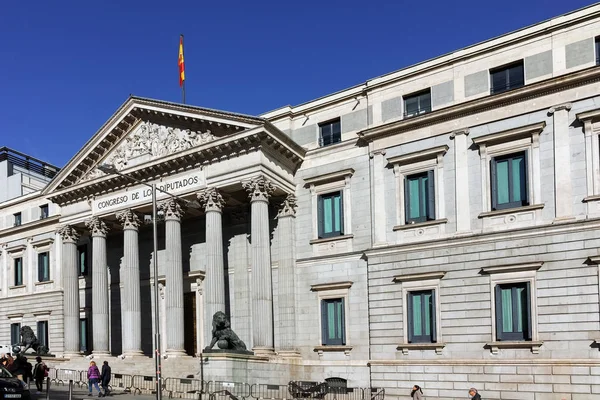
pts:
[288, 207]
[211, 199]
[172, 208]
[97, 226]
[259, 188]
[458, 132]
[129, 219]
[560, 107]
[68, 234]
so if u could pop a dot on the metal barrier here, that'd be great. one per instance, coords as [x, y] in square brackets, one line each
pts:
[237, 390]
[63, 376]
[121, 381]
[183, 387]
[266, 391]
[143, 384]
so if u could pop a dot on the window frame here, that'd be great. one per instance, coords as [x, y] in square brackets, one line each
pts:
[42, 336]
[525, 186]
[18, 219]
[15, 332]
[418, 95]
[432, 337]
[44, 211]
[43, 255]
[327, 291]
[325, 341]
[597, 48]
[506, 68]
[501, 335]
[321, 215]
[428, 214]
[331, 124]
[86, 259]
[18, 265]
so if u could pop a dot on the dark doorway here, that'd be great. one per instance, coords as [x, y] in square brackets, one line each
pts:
[189, 324]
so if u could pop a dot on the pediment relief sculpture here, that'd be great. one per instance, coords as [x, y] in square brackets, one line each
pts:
[150, 141]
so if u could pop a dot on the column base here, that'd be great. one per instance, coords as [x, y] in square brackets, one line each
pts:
[263, 351]
[72, 354]
[100, 354]
[133, 353]
[175, 353]
[289, 353]
[563, 220]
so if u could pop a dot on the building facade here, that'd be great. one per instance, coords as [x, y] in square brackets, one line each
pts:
[438, 226]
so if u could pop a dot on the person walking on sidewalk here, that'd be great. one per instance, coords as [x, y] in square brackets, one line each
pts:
[93, 375]
[39, 373]
[105, 377]
[416, 393]
[474, 394]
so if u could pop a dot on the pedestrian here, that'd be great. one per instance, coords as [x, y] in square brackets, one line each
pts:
[39, 373]
[416, 393]
[93, 375]
[105, 377]
[27, 371]
[474, 395]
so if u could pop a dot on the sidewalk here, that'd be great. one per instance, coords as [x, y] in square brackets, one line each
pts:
[62, 393]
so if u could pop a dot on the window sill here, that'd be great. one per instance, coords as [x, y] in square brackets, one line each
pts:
[533, 345]
[43, 283]
[510, 210]
[332, 348]
[331, 239]
[420, 224]
[17, 287]
[404, 348]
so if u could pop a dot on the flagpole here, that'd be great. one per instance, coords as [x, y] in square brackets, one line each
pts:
[183, 85]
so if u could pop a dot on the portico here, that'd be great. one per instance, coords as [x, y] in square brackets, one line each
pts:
[224, 165]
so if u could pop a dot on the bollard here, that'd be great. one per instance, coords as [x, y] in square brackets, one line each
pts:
[70, 389]
[48, 388]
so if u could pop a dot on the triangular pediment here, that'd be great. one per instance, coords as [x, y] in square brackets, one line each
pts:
[145, 130]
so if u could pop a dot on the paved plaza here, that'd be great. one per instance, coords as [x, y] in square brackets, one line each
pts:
[79, 393]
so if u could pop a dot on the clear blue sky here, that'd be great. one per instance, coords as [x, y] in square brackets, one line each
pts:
[66, 66]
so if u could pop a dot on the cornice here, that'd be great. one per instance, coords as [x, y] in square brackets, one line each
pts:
[30, 225]
[418, 155]
[589, 115]
[510, 134]
[500, 269]
[419, 277]
[331, 286]
[333, 176]
[527, 92]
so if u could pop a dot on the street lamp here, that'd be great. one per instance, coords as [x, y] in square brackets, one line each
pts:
[109, 169]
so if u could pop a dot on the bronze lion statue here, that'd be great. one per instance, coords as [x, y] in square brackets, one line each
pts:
[223, 336]
[30, 341]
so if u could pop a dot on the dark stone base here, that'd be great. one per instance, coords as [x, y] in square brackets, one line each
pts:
[227, 351]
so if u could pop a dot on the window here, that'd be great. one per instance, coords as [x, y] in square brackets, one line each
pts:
[44, 211]
[17, 219]
[42, 332]
[598, 50]
[507, 77]
[330, 215]
[18, 271]
[509, 181]
[82, 259]
[83, 335]
[330, 133]
[419, 192]
[417, 104]
[44, 267]
[15, 333]
[513, 312]
[332, 322]
[421, 316]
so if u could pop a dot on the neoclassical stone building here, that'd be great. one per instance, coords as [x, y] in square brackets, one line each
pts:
[438, 225]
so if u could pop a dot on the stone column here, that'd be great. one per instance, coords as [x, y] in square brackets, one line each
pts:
[259, 190]
[461, 181]
[70, 290]
[174, 277]
[562, 162]
[287, 277]
[214, 282]
[100, 311]
[131, 301]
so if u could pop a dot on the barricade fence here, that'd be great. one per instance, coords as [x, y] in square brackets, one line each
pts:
[192, 388]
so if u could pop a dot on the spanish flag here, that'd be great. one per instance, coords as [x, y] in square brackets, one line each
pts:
[181, 63]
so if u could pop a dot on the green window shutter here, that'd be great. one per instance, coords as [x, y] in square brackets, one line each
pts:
[341, 212]
[525, 180]
[498, 298]
[430, 196]
[494, 184]
[528, 312]
[40, 267]
[343, 321]
[320, 216]
[410, 321]
[433, 318]
[407, 200]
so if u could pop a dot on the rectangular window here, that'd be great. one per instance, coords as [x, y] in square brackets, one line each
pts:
[509, 181]
[513, 311]
[17, 219]
[598, 50]
[44, 211]
[82, 259]
[15, 333]
[332, 322]
[42, 332]
[417, 103]
[44, 267]
[330, 133]
[83, 329]
[421, 317]
[18, 271]
[507, 77]
[330, 215]
[419, 197]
